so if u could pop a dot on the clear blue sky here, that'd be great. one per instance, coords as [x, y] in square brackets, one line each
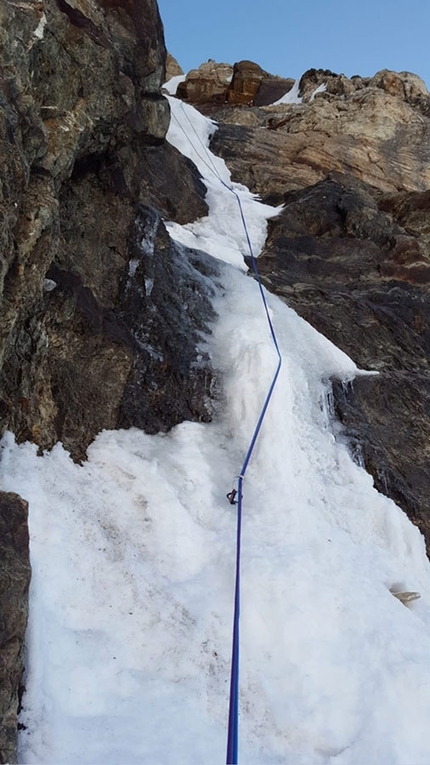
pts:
[349, 36]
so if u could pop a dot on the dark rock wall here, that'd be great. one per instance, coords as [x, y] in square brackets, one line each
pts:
[358, 269]
[14, 583]
[166, 303]
[82, 151]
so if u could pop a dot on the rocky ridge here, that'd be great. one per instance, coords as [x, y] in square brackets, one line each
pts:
[14, 583]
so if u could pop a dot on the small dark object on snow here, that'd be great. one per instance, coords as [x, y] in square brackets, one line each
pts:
[231, 497]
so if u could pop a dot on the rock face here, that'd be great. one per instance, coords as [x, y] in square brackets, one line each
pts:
[404, 85]
[79, 165]
[14, 582]
[350, 252]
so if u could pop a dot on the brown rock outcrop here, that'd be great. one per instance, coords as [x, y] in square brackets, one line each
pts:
[250, 84]
[209, 82]
[246, 81]
[14, 583]
[243, 83]
[404, 85]
[336, 84]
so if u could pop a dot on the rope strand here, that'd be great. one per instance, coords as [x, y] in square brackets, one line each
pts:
[233, 718]
[233, 715]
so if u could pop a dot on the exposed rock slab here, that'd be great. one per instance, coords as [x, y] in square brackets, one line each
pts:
[109, 335]
[370, 132]
[14, 582]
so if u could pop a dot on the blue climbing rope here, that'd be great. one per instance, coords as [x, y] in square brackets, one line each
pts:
[233, 715]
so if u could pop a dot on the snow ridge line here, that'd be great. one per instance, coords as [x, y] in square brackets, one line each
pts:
[233, 717]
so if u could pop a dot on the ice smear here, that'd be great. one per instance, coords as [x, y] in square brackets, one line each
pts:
[40, 29]
[320, 89]
[292, 97]
[133, 562]
[172, 85]
[221, 233]
[132, 267]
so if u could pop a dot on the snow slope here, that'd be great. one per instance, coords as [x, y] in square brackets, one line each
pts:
[133, 563]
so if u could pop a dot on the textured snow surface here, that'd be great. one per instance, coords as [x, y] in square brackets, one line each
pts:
[133, 568]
